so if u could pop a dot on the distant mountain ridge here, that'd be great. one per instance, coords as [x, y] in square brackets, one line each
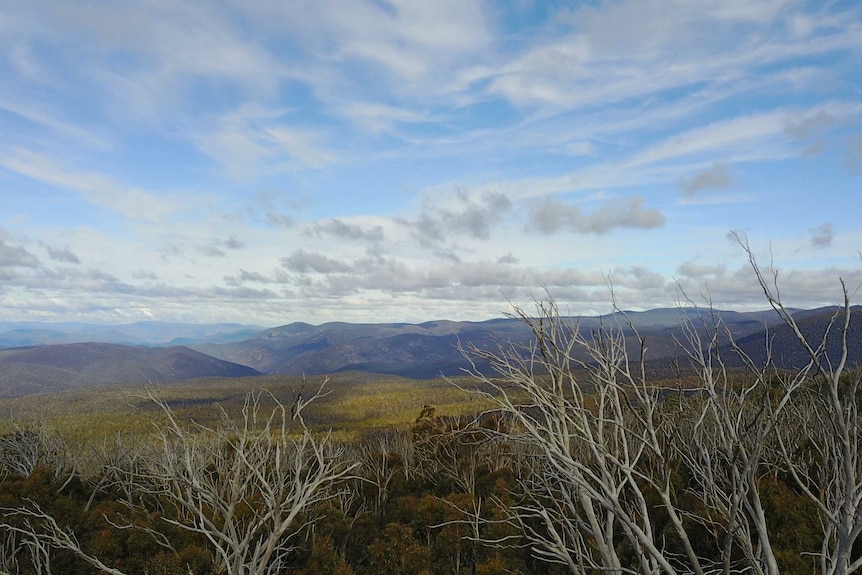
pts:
[47, 368]
[421, 351]
[787, 352]
[152, 333]
[431, 349]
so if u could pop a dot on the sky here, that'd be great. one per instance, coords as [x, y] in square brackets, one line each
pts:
[397, 160]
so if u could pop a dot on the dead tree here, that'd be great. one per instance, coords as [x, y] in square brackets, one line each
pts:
[25, 447]
[381, 464]
[823, 416]
[608, 442]
[242, 486]
[595, 426]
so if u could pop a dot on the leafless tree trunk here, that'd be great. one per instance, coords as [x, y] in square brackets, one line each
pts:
[724, 431]
[10, 549]
[380, 464]
[596, 425]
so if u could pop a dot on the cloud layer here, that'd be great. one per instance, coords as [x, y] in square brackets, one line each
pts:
[371, 161]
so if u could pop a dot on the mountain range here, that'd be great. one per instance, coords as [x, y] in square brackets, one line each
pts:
[151, 333]
[63, 356]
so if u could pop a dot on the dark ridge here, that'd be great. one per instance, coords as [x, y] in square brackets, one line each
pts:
[48, 368]
[788, 353]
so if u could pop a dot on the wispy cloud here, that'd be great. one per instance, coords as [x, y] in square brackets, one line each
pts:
[252, 142]
[746, 133]
[380, 118]
[40, 117]
[95, 188]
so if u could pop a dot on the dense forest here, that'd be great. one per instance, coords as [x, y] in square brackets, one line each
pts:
[572, 466]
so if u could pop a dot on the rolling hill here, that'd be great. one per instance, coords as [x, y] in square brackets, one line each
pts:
[40, 369]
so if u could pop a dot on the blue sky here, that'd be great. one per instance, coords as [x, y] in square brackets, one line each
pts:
[271, 161]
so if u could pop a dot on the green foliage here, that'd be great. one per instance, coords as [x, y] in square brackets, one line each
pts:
[396, 552]
[496, 565]
[324, 560]
[794, 526]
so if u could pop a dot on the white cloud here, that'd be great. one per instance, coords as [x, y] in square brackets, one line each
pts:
[301, 145]
[37, 114]
[746, 132]
[28, 65]
[813, 123]
[737, 288]
[509, 258]
[379, 118]
[698, 270]
[582, 148]
[413, 40]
